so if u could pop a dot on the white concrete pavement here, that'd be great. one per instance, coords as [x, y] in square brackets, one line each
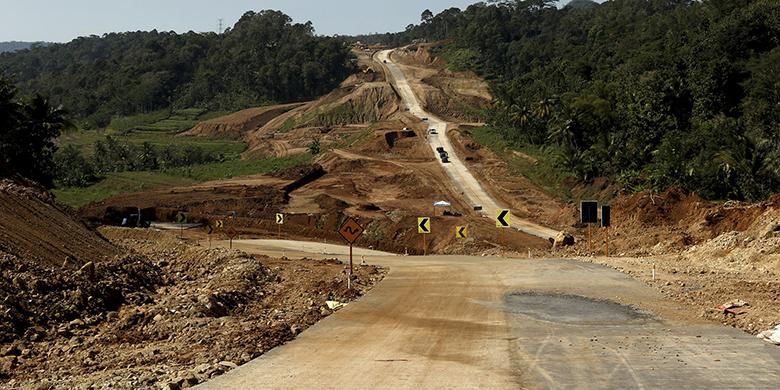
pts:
[463, 179]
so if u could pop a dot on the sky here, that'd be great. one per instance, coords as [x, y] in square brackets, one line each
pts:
[64, 20]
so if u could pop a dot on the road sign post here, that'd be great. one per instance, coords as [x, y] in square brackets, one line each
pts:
[504, 219]
[589, 211]
[231, 233]
[606, 222]
[424, 228]
[461, 232]
[209, 230]
[279, 223]
[351, 231]
[181, 218]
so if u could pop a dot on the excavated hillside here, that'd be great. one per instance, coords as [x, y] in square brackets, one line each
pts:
[239, 124]
[34, 227]
[362, 100]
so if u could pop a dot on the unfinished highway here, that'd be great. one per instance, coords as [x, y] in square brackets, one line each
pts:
[461, 177]
[462, 322]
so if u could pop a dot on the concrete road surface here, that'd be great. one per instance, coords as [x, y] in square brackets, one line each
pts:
[297, 247]
[485, 323]
[462, 178]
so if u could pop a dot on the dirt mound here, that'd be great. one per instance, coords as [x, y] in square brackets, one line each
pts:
[363, 104]
[651, 223]
[669, 208]
[237, 125]
[755, 248]
[33, 227]
[211, 310]
[37, 298]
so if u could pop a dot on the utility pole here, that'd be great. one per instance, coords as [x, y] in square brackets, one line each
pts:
[220, 26]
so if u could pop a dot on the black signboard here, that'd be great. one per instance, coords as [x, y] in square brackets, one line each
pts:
[589, 212]
[605, 216]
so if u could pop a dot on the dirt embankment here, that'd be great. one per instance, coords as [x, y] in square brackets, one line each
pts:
[188, 314]
[526, 199]
[705, 254]
[34, 227]
[648, 224]
[239, 124]
[740, 264]
[329, 118]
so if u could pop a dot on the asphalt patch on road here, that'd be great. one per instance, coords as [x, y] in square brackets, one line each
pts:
[575, 310]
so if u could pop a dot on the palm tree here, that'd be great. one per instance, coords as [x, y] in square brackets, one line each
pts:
[752, 162]
[543, 108]
[42, 125]
[520, 115]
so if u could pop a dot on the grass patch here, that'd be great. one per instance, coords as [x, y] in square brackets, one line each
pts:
[85, 140]
[117, 183]
[130, 182]
[158, 128]
[457, 59]
[238, 168]
[172, 121]
[533, 163]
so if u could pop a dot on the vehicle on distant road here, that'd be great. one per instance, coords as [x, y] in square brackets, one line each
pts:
[440, 149]
[425, 119]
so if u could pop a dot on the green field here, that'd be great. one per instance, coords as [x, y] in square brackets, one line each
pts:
[160, 129]
[117, 183]
[129, 182]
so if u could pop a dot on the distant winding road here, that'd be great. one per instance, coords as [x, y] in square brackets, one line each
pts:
[461, 176]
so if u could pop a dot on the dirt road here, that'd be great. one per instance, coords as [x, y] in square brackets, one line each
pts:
[464, 181]
[467, 322]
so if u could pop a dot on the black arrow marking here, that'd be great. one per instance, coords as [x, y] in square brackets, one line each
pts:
[279, 218]
[423, 224]
[462, 232]
[351, 230]
[501, 217]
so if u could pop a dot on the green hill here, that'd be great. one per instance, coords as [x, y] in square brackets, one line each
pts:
[264, 58]
[648, 93]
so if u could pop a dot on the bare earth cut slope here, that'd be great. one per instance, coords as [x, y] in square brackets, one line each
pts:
[238, 124]
[34, 227]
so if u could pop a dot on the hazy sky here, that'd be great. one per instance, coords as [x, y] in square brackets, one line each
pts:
[63, 20]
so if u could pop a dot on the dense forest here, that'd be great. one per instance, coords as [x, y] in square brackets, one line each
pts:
[651, 93]
[13, 46]
[264, 58]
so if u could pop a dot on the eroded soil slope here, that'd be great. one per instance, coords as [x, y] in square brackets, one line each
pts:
[34, 227]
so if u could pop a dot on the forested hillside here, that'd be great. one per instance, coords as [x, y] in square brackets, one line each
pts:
[16, 46]
[263, 58]
[651, 93]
